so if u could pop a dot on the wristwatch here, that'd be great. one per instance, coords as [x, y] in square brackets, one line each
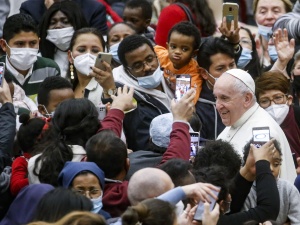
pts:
[110, 92]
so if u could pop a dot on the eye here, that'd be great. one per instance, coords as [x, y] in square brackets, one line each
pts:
[81, 49]
[172, 46]
[185, 49]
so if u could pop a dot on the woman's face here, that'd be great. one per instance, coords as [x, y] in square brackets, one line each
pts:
[245, 40]
[86, 43]
[88, 185]
[268, 11]
[59, 20]
[118, 33]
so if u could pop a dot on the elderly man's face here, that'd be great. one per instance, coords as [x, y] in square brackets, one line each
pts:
[229, 102]
[142, 61]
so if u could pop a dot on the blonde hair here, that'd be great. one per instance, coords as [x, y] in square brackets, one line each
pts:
[76, 218]
[288, 5]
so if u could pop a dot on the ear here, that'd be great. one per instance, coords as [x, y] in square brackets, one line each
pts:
[203, 73]
[41, 110]
[167, 45]
[70, 57]
[248, 100]
[195, 53]
[3, 45]
[289, 100]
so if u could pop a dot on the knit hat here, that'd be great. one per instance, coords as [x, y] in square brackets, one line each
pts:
[244, 77]
[160, 129]
[71, 169]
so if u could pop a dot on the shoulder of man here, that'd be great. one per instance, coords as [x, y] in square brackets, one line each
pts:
[43, 62]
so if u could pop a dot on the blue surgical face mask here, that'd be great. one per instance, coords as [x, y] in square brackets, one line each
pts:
[244, 58]
[114, 51]
[151, 81]
[97, 204]
[264, 31]
[272, 52]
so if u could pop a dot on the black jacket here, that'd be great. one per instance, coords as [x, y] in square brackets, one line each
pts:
[94, 12]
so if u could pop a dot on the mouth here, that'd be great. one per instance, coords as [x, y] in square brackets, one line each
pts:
[223, 114]
[176, 57]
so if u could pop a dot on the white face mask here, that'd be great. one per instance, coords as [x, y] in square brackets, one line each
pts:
[83, 63]
[278, 112]
[151, 81]
[61, 38]
[114, 51]
[22, 58]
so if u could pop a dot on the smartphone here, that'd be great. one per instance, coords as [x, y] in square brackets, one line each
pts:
[105, 57]
[261, 135]
[101, 111]
[2, 70]
[200, 208]
[195, 136]
[231, 12]
[183, 84]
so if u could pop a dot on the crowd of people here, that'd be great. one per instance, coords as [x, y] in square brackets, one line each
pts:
[128, 141]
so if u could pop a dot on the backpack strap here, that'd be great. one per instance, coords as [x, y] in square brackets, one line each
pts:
[187, 11]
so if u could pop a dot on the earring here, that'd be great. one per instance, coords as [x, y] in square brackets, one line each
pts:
[72, 71]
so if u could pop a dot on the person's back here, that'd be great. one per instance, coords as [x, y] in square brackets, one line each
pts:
[21, 43]
[183, 44]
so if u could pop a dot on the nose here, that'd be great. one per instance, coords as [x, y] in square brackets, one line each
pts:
[270, 15]
[58, 25]
[272, 102]
[147, 67]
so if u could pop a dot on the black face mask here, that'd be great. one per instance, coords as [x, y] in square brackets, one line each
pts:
[296, 83]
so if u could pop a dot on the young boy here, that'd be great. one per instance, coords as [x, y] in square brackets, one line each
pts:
[182, 46]
[288, 193]
[138, 13]
[21, 43]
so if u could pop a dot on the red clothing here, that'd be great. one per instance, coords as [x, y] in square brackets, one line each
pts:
[19, 178]
[113, 121]
[292, 131]
[114, 17]
[168, 17]
[115, 198]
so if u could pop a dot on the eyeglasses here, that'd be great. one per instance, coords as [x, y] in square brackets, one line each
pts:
[140, 66]
[94, 193]
[277, 99]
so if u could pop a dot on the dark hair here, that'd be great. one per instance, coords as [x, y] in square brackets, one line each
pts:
[130, 44]
[246, 149]
[203, 15]
[29, 132]
[188, 29]
[18, 23]
[271, 80]
[74, 15]
[105, 148]
[49, 84]
[150, 212]
[219, 153]
[195, 122]
[144, 4]
[253, 66]
[211, 46]
[179, 170]
[116, 24]
[74, 122]
[59, 202]
[85, 30]
[215, 175]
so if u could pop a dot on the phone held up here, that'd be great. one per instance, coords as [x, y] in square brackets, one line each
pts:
[195, 137]
[261, 135]
[103, 56]
[231, 12]
[183, 84]
[2, 71]
[101, 111]
[200, 209]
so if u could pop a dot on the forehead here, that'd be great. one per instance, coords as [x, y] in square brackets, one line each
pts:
[244, 34]
[134, 12]
[139, 54]
[58, 14]
[24, 36]
[223, 86]
[181, 38]
[221, 59]
[270, 4]
[269, 93]
[87, 177]
[59, 95]
[87, 39]
[120, 29]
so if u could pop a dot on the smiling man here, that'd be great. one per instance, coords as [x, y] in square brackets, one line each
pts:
[236, 104]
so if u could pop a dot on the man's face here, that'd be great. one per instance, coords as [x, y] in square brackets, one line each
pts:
[142, 57]
[181, 49]
[56, 97]
[229, 102]
[220, 63]
[21, 40]
[135, 17]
